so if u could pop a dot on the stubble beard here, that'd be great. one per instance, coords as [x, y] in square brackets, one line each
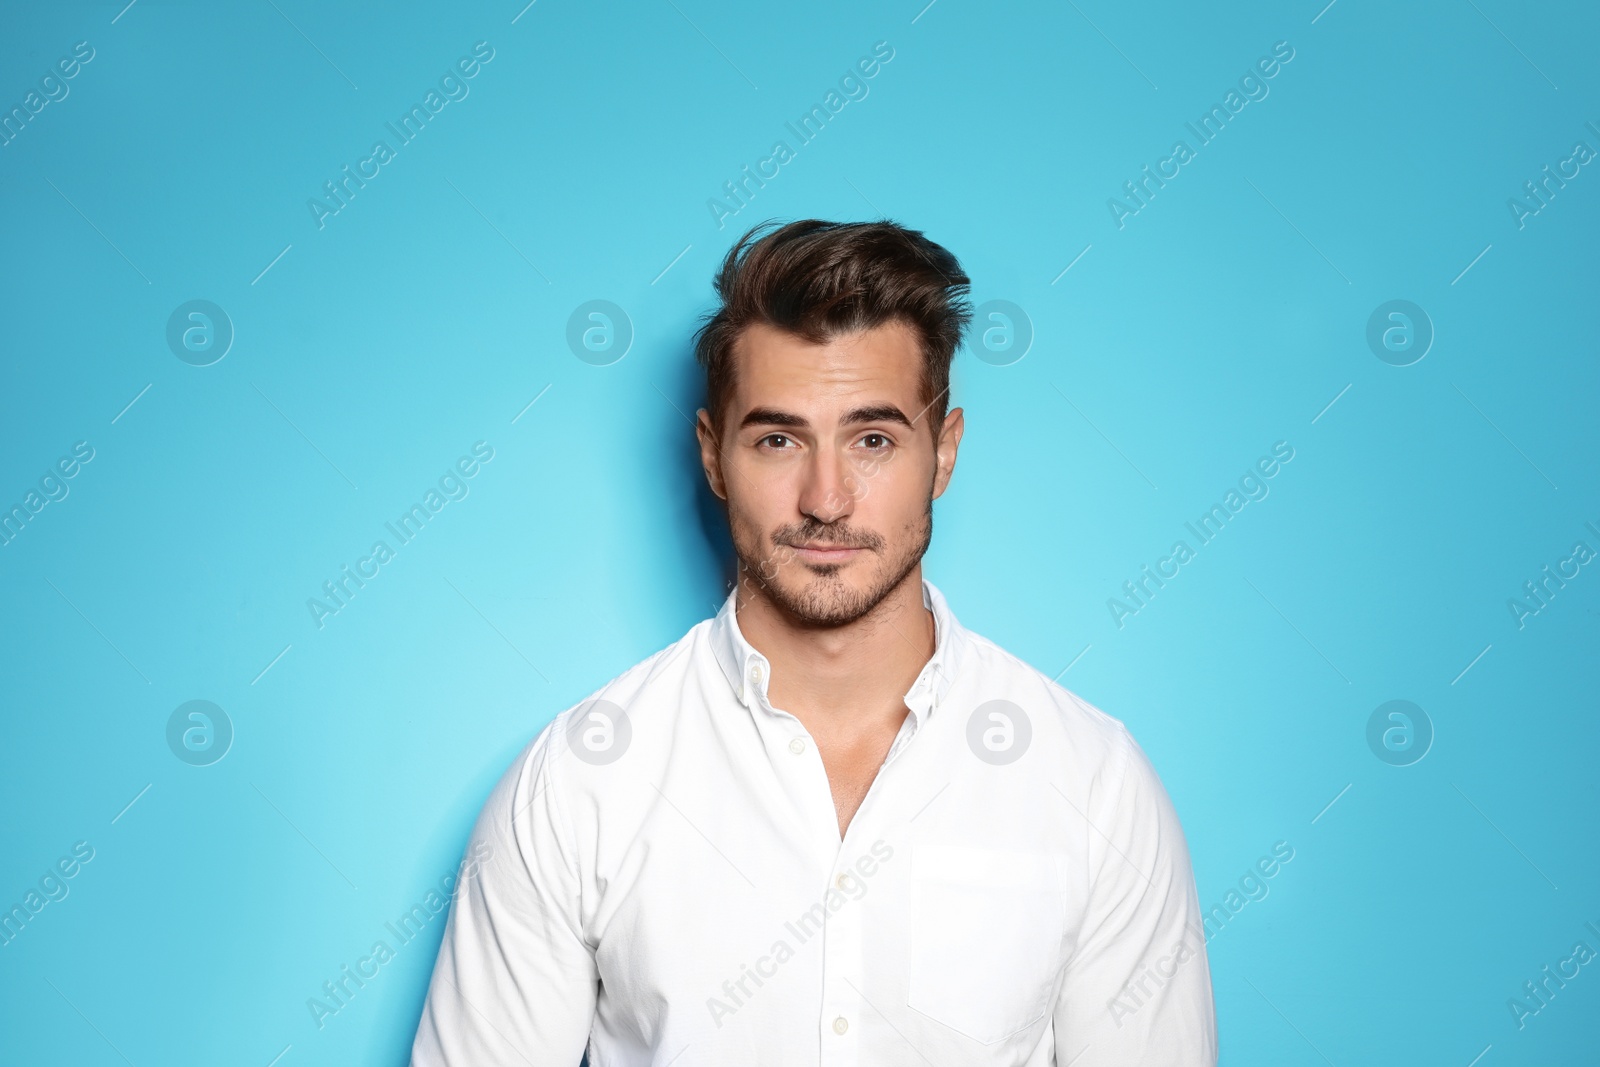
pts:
[818, 595]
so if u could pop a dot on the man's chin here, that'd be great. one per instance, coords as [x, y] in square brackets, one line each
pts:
[824, 599]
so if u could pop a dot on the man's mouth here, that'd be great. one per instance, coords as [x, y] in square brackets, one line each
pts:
[824, 552]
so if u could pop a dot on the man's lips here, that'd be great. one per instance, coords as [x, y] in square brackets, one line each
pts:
[823, 551]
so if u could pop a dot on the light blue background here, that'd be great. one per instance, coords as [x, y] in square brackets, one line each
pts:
[1223, 317]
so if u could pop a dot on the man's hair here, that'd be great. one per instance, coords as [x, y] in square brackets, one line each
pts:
[820, 280]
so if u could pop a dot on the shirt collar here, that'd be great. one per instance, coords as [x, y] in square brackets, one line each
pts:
[749, 673]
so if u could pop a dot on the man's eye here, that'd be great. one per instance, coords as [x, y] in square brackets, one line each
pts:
[773, 437]
[883, 441]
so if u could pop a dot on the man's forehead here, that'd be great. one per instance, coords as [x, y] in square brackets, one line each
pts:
[773, 363]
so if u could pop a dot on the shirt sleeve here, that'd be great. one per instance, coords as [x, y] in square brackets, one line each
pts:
[1138, 987]
[515, 982]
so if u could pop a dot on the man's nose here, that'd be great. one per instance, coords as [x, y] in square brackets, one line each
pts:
[830, 484]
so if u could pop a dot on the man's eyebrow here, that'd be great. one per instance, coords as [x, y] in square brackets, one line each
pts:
[773, 417]
[876, 413]
[868, 413]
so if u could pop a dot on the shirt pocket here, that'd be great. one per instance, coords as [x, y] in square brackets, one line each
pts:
[986, 937]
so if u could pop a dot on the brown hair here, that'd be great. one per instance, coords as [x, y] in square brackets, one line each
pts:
[819, 280]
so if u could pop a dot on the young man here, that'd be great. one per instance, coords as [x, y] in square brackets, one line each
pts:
[829, 825]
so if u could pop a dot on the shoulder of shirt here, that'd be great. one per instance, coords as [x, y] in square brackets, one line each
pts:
[548, 747]
[1085, 728]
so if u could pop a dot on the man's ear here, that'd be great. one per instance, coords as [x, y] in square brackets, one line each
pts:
[710, 453]
[945, 450]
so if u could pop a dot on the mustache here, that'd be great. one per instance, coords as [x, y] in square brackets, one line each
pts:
[829, 537]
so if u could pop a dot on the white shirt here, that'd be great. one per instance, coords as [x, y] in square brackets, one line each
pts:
[659, 878]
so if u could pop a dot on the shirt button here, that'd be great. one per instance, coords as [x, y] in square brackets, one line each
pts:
[797, 746]
[755, 674]
[840, 1025]
[840, 881]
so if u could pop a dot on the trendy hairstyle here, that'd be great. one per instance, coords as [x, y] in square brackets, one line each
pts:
[820, 280]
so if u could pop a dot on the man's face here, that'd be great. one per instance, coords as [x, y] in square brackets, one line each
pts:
[828, 467]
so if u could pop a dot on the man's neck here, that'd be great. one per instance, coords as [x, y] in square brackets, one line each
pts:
[849, 678]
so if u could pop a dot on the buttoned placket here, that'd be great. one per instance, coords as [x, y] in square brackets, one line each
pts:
[804, 779]
[843, 968]
[798, 765]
